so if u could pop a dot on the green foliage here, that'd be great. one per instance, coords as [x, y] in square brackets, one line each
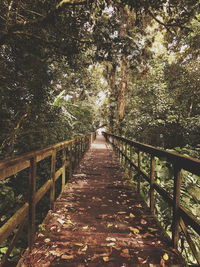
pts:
[190, 195]
[58, 58]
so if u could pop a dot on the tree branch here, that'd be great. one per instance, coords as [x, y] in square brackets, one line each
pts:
[45, 19]
[167, 25]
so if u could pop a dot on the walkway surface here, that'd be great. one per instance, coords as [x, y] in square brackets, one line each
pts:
[100, 221]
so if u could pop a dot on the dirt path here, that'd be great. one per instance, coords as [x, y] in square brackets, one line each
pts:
[100, 221]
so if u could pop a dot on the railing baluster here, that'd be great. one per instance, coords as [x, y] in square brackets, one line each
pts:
[53, 171]
[152, 180]
[139, 166]
[176, 205]
[130, 157]
[69, 155]
[126, 154]
[32, 204]
[64, 168]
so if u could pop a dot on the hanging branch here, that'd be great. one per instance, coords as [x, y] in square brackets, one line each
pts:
[168, 25]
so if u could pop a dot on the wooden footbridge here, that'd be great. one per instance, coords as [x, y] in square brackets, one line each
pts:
[100, 217]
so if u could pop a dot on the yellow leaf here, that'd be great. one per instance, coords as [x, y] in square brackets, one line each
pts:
[165, 257]
[109, 224]
[131, 215]
[79, 244]
[135, 230]
[85, 227]
[106, 259]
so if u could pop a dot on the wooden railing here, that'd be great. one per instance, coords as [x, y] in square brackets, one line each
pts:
[72, 151]
[181, 217]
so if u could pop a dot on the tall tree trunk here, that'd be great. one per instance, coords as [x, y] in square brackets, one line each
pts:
[111, 72]
[122, 91]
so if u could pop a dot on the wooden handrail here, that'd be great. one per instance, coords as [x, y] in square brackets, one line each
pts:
[9, 167]
[181, 216]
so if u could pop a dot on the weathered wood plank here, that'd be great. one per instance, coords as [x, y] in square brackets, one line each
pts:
[13, 222]
[8, 167]
[187, 163]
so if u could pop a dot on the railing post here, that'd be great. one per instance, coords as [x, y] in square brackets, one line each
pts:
[176, 205]
[53, 171]
[139, 164]
[131, 155]
[69, 156]
[64, 168]
[123, 153]
[126, 155]
[152, 180]
[32, 204]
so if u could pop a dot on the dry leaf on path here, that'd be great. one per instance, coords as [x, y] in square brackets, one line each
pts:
[106, 259]
[165, 257]
[79, 244]
[110, 244]
[152, 229]
[67, 257]
[125, 250]
[85, 248]
[143, 221]
[121, 212]
[111, 239]
[135, 230]
[60, 221]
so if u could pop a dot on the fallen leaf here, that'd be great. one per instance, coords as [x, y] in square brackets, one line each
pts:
[47, 240]
[143, 221]
[60, 221]
[111, 239]
[85, 248]
[79, 244]
[40, 235]
[147, 235]
[121, 212]
[135, 230]
[165, 257]
[111, 244]
[138, 205]
[109, 225]
[152, 229]
[67, 257]
[125, 251]
[131, 215]
[106, 259]
[56, 253]
[145, 261]
[85, 227]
